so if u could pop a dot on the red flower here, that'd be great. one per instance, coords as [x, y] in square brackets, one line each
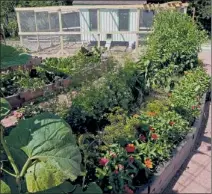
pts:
[142, 137]
[193, 107]
[130, 148]
[121, 167]
[103, 161]
[17, 114]
[128, 190]
[154, 136]
[116, 171]
[169, 94]
[151, 129]
[171, 123]
[131, 159]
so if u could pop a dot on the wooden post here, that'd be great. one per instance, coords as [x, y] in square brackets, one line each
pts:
[98, 26]
[49, 20]
[193, 14]
[137, 23]
[3, 33]
[36, 28]
[61, 29]
[19, 27]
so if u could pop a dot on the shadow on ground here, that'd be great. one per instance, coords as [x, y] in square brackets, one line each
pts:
[201, 138]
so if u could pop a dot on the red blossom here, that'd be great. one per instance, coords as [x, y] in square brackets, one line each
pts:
[116, 171]
[154, 136]
[193, 107]
[103, 161]
[171, 123]
[130, 148]
[169, 94]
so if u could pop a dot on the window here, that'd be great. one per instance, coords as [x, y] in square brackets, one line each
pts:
[146, 18]
[123, 20]
[109, 36]
[93, 19]
[71, 21]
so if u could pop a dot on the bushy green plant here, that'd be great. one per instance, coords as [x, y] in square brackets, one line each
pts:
[121, 128]
[157, 106]
[186, 97]
[171, 49]
[122, 88]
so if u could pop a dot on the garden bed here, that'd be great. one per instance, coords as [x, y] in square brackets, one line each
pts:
[20, 86]
[162, 178]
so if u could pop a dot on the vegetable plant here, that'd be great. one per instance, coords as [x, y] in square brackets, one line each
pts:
[41, 151]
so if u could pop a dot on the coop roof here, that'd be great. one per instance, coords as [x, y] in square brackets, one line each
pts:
[108, 2]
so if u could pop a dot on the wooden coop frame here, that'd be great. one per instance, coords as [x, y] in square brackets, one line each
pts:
[60, 9]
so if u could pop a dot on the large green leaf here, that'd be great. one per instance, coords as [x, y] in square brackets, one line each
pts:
[48, 141]
[65, 187]
[5, 108]
[4, 188]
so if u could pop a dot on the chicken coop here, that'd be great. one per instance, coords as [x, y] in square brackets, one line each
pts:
[64, 29]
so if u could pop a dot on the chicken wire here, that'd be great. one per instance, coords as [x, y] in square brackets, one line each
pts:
[119, 30]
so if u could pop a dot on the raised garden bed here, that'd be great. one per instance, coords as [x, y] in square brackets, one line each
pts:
[21, 86]
[162, 178]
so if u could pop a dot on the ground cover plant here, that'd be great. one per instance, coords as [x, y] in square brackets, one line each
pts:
[83, 67]
[126, 123]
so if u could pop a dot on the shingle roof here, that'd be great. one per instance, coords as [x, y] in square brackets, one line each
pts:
[108, 2]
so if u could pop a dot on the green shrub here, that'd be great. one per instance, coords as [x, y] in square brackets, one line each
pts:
[122, 88]
[157, 106]
[186, 97]
[121, 128]
[171, 49]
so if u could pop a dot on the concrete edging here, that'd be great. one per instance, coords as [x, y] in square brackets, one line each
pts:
[159, 181]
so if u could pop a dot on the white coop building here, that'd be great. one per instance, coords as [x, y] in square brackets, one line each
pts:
[100, 23]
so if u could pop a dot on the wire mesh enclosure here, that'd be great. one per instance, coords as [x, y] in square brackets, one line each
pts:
[64, 29]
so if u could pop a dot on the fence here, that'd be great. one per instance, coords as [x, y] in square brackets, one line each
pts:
[63, 29]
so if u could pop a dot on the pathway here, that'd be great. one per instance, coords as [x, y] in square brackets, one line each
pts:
[195, 174]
